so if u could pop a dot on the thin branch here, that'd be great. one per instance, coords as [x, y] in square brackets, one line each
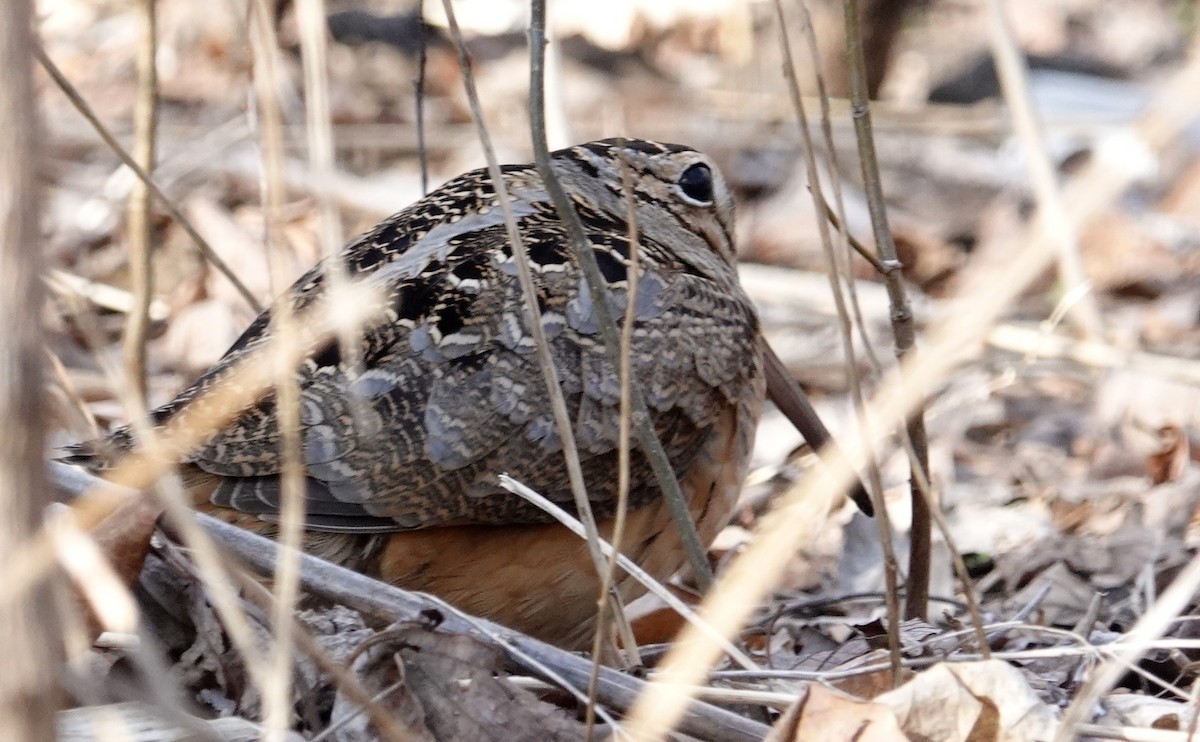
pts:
[923, 487]
[419, 91]
[919, 475]
[562, 418]
[277, 693]
[618, 532]
[883, 521]
[141, 277]
[643, 425]
[837, 221]
[920, 534]
[86, 111]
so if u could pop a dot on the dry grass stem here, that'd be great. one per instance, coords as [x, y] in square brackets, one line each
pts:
[141, 277]
[92, 574]
[883, 522]
[210, 566]
[102, 295]
[419, 103]
[310, 19]
[1039, 343]
[562, 418]
[277, 693]
[1014, 81]
[1133, 734]
[664, 474]
[30, 685]
[727, 696]
[632, 569]
[841, 270]
[625, 372]
[67, 387]
[626, 409]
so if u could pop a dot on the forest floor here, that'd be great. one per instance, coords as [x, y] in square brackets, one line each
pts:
[1061, 447]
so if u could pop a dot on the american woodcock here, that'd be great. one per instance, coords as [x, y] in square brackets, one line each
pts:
[403, 444]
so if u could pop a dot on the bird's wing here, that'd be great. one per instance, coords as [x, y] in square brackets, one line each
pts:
[446, 392]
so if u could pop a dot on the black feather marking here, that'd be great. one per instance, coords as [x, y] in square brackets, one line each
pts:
[547, 251]
[390, 240]
[471, 268]
[366, 258]
[587, 167]
[330, 354]
[256, 330]
[415, 301]
[449, 320]
[611, 267]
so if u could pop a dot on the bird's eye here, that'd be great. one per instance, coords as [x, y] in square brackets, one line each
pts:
[696, 184]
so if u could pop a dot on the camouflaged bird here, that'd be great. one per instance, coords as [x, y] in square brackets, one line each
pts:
[403, 445]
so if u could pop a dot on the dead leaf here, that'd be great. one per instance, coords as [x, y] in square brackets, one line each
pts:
[200, 333]
[1126, 709]
[653, 621]
[124, 536]
[448, 686]
[972, 702]
[1068, 599]
[1166, 464]
[826, 714]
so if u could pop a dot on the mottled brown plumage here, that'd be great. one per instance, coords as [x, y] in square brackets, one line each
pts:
[403, 444]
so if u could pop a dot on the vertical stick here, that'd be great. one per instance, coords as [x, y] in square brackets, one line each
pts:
[1014, 81]
[277, 695]
[917, 600]
[141, 278]
[29, 695]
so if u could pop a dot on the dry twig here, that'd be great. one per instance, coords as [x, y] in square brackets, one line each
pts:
[920, 544]
[277, 690]
[562, 418]
[609, 334]
[141, 277]
[890, 568]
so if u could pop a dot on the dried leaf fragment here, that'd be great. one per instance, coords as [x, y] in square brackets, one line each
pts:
[987, 701]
